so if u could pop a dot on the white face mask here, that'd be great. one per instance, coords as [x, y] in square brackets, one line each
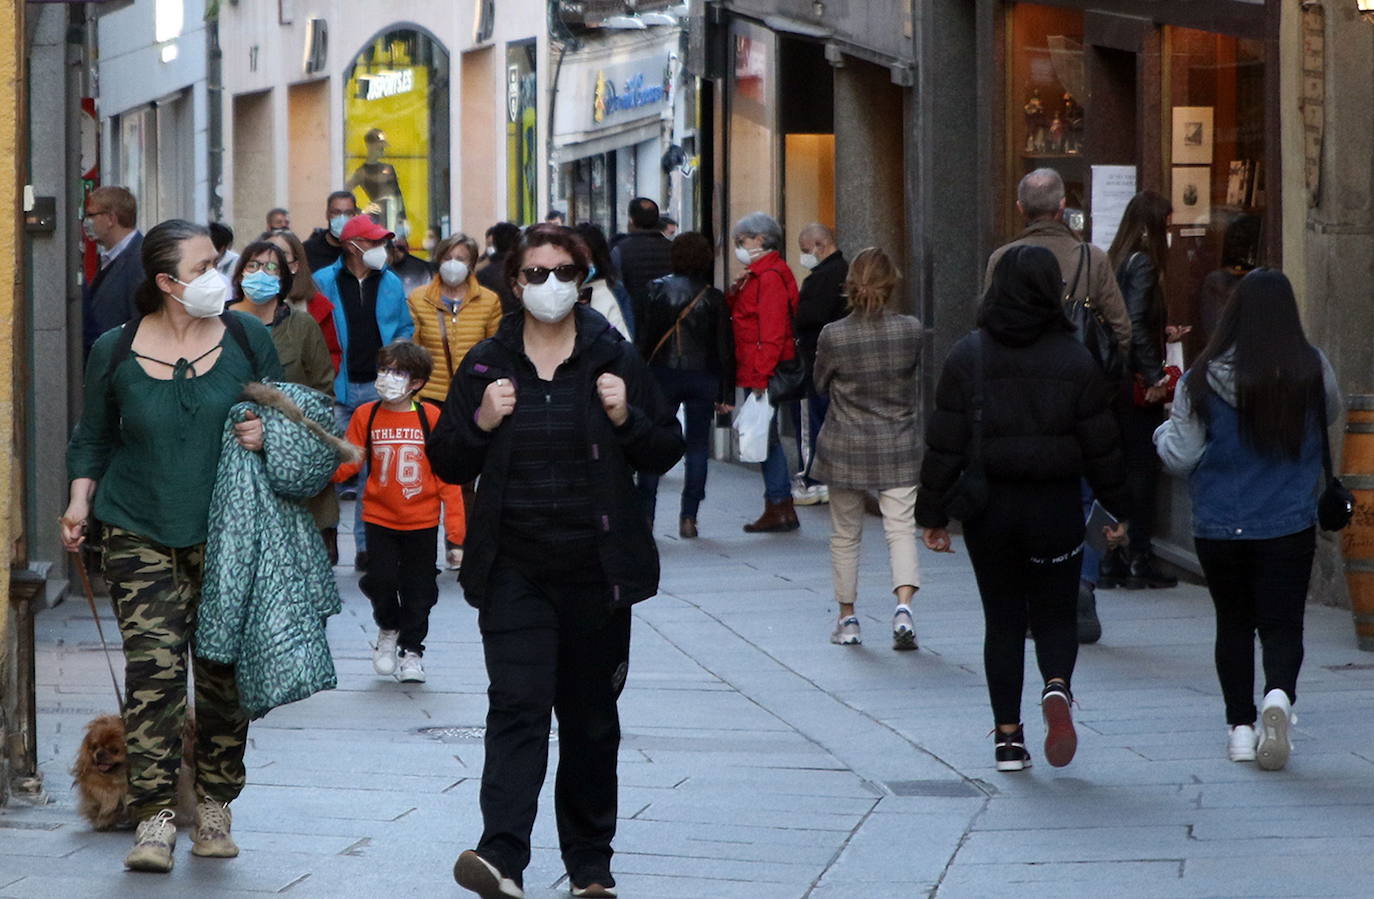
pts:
[374, 258]
[744, 256]
[551, 301]
[809, 260]
[392, 386]
[204, 297]
[453, 272]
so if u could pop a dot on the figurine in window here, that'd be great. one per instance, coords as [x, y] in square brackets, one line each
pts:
[1035, 123]
[1073, 124]
[1056, 141]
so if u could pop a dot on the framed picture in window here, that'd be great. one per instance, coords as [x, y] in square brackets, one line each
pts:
[1192, 144]
[1192, 194]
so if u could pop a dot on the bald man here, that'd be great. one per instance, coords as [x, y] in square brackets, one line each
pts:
[822, 302]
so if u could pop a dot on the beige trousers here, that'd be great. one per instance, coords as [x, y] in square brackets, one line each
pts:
[898, 506]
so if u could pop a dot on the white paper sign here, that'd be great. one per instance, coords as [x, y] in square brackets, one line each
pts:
[1112, 187]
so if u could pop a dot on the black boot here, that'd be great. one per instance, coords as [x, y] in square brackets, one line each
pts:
[1089, 627]
[1145, 572]
[1113, 571]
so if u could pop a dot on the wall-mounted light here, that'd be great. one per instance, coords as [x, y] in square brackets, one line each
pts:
[1366, 8]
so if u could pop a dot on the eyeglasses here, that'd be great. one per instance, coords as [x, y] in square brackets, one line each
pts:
[537, 274]
[92, 213]
[271, 268]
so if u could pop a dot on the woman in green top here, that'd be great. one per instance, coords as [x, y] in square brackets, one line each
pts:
[263, 280]
[146, 451]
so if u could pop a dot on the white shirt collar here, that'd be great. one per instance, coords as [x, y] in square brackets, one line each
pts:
[108, 256]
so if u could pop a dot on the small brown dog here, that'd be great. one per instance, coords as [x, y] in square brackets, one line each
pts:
[101, 774]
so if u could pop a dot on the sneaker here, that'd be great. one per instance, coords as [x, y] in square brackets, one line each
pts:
[594, 890]
[410, 670]
[903, 633]
[809, 494]
[1011, 751]
[1060, 739]
[1240, 743]
[384, 656]
[1089, 626]
[211, 838]
[846, 632]
[1276, 717]
[472, 872]
[154, 841]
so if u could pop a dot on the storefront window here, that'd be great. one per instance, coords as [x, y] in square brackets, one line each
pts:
[1216, 174]
[1045, 97]
[753, 150]
[396, 130]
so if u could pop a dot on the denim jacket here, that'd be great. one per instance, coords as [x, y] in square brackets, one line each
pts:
[1238, 493]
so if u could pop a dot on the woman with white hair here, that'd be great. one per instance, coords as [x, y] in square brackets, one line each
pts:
[762, 303]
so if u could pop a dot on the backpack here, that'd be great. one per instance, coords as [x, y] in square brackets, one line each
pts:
[372, 417]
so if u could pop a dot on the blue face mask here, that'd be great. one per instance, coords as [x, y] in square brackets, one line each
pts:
[336, 224]
[261, 287]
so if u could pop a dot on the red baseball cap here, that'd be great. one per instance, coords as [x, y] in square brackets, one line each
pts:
[362, 226]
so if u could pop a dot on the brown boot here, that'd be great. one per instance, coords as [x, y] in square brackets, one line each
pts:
[776, 517]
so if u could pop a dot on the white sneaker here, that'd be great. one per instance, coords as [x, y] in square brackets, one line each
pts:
[802, 495]
[410, 671]
[1276, 717]
[846, 632]
[903, 631]
[1240, 745]
[384, 656]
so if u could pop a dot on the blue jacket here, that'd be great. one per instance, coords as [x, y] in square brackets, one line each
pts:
[1238, 493]
[393, 316]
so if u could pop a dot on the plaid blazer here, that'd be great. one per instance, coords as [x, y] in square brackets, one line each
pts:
[871, 437]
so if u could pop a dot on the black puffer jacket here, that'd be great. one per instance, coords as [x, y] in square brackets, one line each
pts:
[650, 440]
[1139, 282]
[703, 341]
[1046, 412]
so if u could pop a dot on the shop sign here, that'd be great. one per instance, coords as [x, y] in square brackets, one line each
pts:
[635, 93]
[380, 85]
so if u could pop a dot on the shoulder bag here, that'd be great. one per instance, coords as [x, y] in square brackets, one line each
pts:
[686, 310]
[1089, 325]
[1336, 505]
[969, 495]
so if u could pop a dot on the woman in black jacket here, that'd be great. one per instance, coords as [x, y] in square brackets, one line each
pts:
[1046, 424]
[1139, 255]
[686, 339]
[554, 413]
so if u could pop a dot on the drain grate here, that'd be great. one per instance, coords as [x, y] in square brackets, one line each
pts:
[460, 734]
[953, 789]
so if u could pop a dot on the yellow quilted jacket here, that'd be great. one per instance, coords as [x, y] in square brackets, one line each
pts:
[475, 321]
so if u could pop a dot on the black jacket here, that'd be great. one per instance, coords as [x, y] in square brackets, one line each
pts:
[641, 257]
[822, 302]
[319, 252]
[492, 276]
[703, 342]
[1046, 412]
[1139, 282]
[649, 441]
[109, 298]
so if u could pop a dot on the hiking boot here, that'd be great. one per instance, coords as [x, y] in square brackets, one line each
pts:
[1011, 751]
[410, 670]
[1145, 572]
[1113, 571]
[384, 656]
[1089, 627]
[903, 629]
[1240, 743]
[687, 527]
[154, 840]
[211, 838]
[776, 517]
[1276, 717]
[472, 872]
[1061, 742]
[846, 632]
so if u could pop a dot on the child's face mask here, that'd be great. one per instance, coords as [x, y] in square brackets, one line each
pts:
[392, 385]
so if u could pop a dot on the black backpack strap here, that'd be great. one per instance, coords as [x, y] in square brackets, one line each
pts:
[122, 348]
[419, 410]
[367, 438]
[234, 325]
[424, 419]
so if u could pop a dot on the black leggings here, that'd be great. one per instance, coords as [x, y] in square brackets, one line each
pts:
[1258, 586]
[1026, 550]
[1138, 425]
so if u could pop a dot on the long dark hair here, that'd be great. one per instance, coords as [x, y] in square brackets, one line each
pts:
[1278, 373]
[1144, 229]
[595, 239]
[161, 256]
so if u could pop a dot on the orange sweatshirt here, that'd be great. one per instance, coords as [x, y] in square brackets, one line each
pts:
[401, 492]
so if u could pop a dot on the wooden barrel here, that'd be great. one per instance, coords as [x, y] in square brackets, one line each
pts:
[1357, 540]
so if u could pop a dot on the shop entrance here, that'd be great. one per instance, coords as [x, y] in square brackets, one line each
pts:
[806, 108]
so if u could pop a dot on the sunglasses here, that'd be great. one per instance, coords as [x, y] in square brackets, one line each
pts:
[537, 274]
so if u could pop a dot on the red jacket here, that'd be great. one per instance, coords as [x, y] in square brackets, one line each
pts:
[762, 304]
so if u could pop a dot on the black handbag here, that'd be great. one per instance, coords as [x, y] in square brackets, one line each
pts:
[1089, 326]
[969, 495]
[788, 381]
[1336, 505]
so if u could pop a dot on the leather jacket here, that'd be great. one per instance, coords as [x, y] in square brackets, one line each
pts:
[703, 341]
[1140, 288]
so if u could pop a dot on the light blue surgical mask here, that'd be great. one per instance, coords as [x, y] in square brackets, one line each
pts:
[260, 287]
[336, 224]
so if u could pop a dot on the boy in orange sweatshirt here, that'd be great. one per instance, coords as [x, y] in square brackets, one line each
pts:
[401, 503]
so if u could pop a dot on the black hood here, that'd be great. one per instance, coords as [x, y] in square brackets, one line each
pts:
[1025, 299]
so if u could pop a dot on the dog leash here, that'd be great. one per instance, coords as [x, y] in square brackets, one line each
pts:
[90, 600]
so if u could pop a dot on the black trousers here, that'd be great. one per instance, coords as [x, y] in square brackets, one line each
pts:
[400, 582]
[551, 645]
[1258, 586]
[1138, 425]
[1026, 549]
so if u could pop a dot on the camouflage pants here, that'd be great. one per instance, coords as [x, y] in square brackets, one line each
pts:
[155, 591]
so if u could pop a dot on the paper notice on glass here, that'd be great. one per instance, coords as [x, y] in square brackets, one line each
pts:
[1112, 186]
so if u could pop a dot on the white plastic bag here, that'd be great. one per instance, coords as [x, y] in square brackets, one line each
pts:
[752, 423]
